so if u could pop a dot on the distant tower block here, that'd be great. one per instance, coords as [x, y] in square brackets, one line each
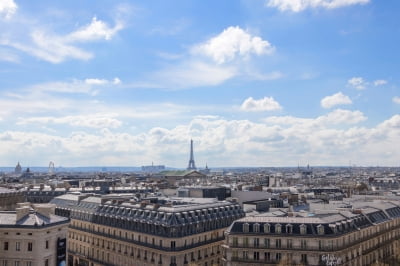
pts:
[191, 165]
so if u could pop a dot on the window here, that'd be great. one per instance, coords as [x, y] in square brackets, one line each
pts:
[303, 244]
[29, 246]
[289, 228]
[304, 258]
[16, 263]
[5, 245]
[266, 242]
[245, 254]
[267, 256]
[289, 243]
[256, 256]
[277, 243]
[256, 228]
[18, 246]
[278, 228]
[46, 262]
[321, 245]
[235, 241]
[267, 228]
[245, 242]
[47, 244]
[303, 229]
[29, 263]
[256, 242]
[320, 229]
[246, 228]
[278, 257]
[173, 244]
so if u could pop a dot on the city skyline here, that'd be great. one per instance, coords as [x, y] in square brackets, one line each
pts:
[253, 83]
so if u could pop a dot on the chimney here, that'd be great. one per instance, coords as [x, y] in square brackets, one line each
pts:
[45, 209]
[22, 212]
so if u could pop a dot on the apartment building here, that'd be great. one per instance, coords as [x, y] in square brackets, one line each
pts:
[116, 230]
[366, 233]
[32, 236]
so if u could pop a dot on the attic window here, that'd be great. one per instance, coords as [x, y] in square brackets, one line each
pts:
[267, 228]
[303, 229]
[289, 228]
[256, 228]
[245, 228]
[320, 229]
[278, 228]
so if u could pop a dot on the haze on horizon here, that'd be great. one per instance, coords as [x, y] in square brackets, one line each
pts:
[253, 83]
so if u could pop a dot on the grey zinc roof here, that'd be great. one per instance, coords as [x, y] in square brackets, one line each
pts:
[33, 218]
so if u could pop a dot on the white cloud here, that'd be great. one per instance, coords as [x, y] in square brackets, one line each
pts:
[300, 5]
[91, 121]
[319, 141]
[264, 104]
[380, 82]
[193, 74]
[357, 82]
[195, 69]
[335, 99]
[94, 31]
[233, 42]
[340, 116]
[7, 8]
[396, 99]
[57, 48]
[96, 81]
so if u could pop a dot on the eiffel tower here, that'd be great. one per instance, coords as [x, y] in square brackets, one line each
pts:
[191, 165]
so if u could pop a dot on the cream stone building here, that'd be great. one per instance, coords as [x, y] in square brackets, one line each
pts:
[116, 230]
[32, 236]
[364, 234]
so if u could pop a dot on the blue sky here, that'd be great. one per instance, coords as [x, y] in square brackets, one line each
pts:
[252, 82]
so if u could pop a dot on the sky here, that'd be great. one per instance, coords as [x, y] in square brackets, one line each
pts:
[253, 82]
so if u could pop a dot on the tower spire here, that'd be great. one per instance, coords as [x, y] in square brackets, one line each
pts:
[191, 165]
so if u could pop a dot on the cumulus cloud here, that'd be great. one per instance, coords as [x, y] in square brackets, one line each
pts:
[214, 61]
[341, 116]
[357, 82]
[264, 104]
[233, 42]
[380, 82]
[396, 99]
[7, 8]
[277, 141]
[300, 5]
[335, 99]
[58, 48]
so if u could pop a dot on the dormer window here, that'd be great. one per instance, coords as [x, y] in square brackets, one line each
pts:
[303, 229]
[289, 228]
[256, 228]
[246, 228]
[278, 228]
[320, 229]
[267, 228]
